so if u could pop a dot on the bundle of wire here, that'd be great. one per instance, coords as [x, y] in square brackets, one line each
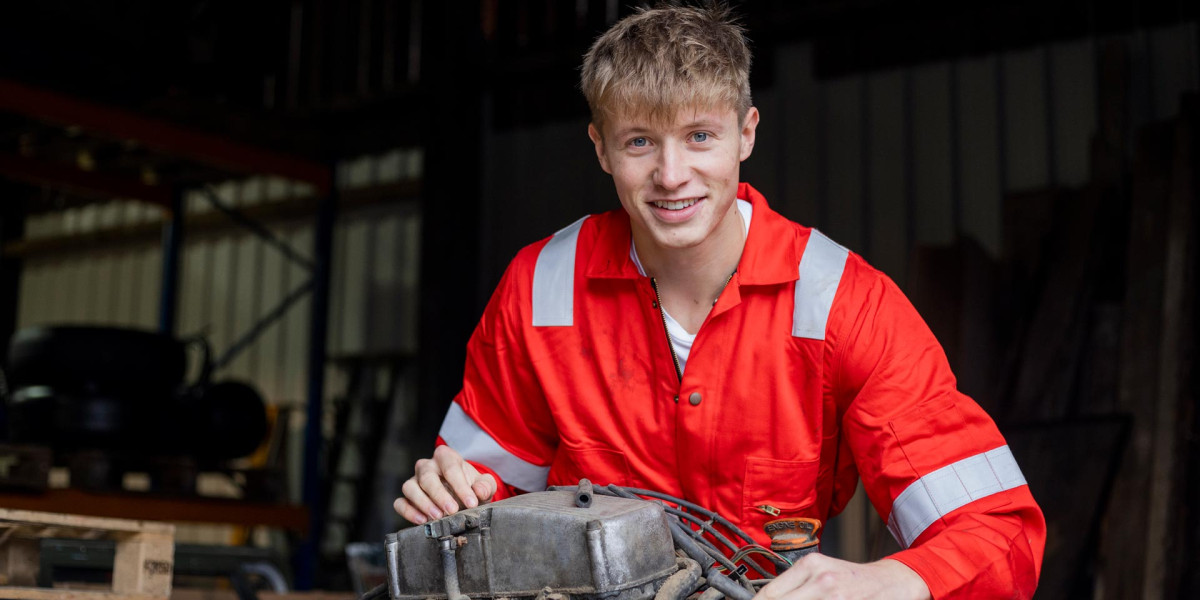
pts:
[706, 572]
[724, 576]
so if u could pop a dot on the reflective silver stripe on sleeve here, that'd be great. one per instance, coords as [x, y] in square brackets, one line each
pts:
[820, 272]
[473, 443]
[554, 279]
[951, 487]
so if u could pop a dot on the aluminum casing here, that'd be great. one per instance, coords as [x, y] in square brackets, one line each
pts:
[618, 549]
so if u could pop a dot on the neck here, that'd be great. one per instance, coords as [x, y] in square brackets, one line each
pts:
[696, 274]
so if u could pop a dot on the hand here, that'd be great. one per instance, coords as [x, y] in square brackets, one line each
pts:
[817, 576]
[441, 486]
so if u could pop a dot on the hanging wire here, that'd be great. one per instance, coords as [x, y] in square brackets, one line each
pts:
[761, 551]
[719, 536]
[686, 536]
[740, 551]
[696, 508]
[704, 519]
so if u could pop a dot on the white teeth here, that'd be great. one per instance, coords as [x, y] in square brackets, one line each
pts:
[676, 205]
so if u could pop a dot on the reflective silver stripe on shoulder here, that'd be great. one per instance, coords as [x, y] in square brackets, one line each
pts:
[951, 487]
[820, 273]
[473, 443]
[554, 279]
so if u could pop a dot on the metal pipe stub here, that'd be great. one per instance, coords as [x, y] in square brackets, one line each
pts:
[583, 494]
[450, 568]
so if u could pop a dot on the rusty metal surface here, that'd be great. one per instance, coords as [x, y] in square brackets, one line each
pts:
[540, 544]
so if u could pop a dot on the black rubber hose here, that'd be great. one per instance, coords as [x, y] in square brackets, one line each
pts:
[689, 545]
[682, 583]
[683, 514]
[721, 559]
[700, 550]
[707, 546]
[684, 541]
[696, 508]
[717, 534]
[604, 491]
[623, 493]
[726, 586]
[698, 553]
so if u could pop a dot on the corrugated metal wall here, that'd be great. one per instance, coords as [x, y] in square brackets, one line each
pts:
[880, 161]
[230, 278]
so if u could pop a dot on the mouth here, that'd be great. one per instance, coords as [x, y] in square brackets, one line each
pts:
[675, 204]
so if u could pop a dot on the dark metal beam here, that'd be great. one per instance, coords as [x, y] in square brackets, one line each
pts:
[172, 232]
[12, 227]
[84, 183]
[257, 229]
[318, 336]
[451, 300]
[212, 223]
[158, 135]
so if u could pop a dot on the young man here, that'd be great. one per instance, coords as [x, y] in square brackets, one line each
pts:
[700, 344]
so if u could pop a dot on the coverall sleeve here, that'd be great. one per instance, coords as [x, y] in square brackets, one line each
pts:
[933, 463]
[500, 421]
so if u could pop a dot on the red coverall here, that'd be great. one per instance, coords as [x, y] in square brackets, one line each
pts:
[811, 370]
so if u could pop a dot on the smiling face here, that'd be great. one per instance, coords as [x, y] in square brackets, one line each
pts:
[677, 177]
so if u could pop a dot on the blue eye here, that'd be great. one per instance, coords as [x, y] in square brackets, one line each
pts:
[700, 136]
[639, 142]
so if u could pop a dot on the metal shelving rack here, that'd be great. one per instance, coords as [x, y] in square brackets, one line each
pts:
[217, 156]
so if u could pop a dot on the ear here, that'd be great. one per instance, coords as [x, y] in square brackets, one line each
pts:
[749, 126]
[598, 141]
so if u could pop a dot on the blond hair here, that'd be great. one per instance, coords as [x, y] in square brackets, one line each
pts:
[659, 60]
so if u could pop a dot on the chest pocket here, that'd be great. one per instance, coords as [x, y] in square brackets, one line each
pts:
[600, 465]
[782, 488]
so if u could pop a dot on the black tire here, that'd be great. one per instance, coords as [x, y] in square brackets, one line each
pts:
[97, 360]
[40, 415]
[224, 420]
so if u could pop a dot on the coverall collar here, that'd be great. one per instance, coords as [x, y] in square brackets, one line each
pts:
[769, 257]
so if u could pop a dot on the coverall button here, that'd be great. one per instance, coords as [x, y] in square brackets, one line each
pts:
[694, 398]
[677, 399]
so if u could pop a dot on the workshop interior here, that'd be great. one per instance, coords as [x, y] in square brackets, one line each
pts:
[243, 246]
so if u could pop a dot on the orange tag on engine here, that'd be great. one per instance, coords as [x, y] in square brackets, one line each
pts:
[793, 533]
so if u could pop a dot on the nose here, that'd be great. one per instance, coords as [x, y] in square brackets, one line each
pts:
[672, 170]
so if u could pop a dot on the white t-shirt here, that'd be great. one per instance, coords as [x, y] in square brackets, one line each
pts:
[680, 338]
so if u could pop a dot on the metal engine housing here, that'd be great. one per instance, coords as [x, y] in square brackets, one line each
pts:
[538, 544]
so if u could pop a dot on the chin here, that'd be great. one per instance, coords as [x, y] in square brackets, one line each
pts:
[675, 241]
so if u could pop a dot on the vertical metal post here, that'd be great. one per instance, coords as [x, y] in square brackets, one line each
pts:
[908, 107]
[956, 191]
[12, 227]
[168, 299]
[450, 300]
[306, 559]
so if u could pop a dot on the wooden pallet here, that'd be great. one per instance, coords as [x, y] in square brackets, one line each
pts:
[141, 570]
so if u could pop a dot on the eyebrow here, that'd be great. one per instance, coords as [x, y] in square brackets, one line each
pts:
[704, 123]
[628, 131]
